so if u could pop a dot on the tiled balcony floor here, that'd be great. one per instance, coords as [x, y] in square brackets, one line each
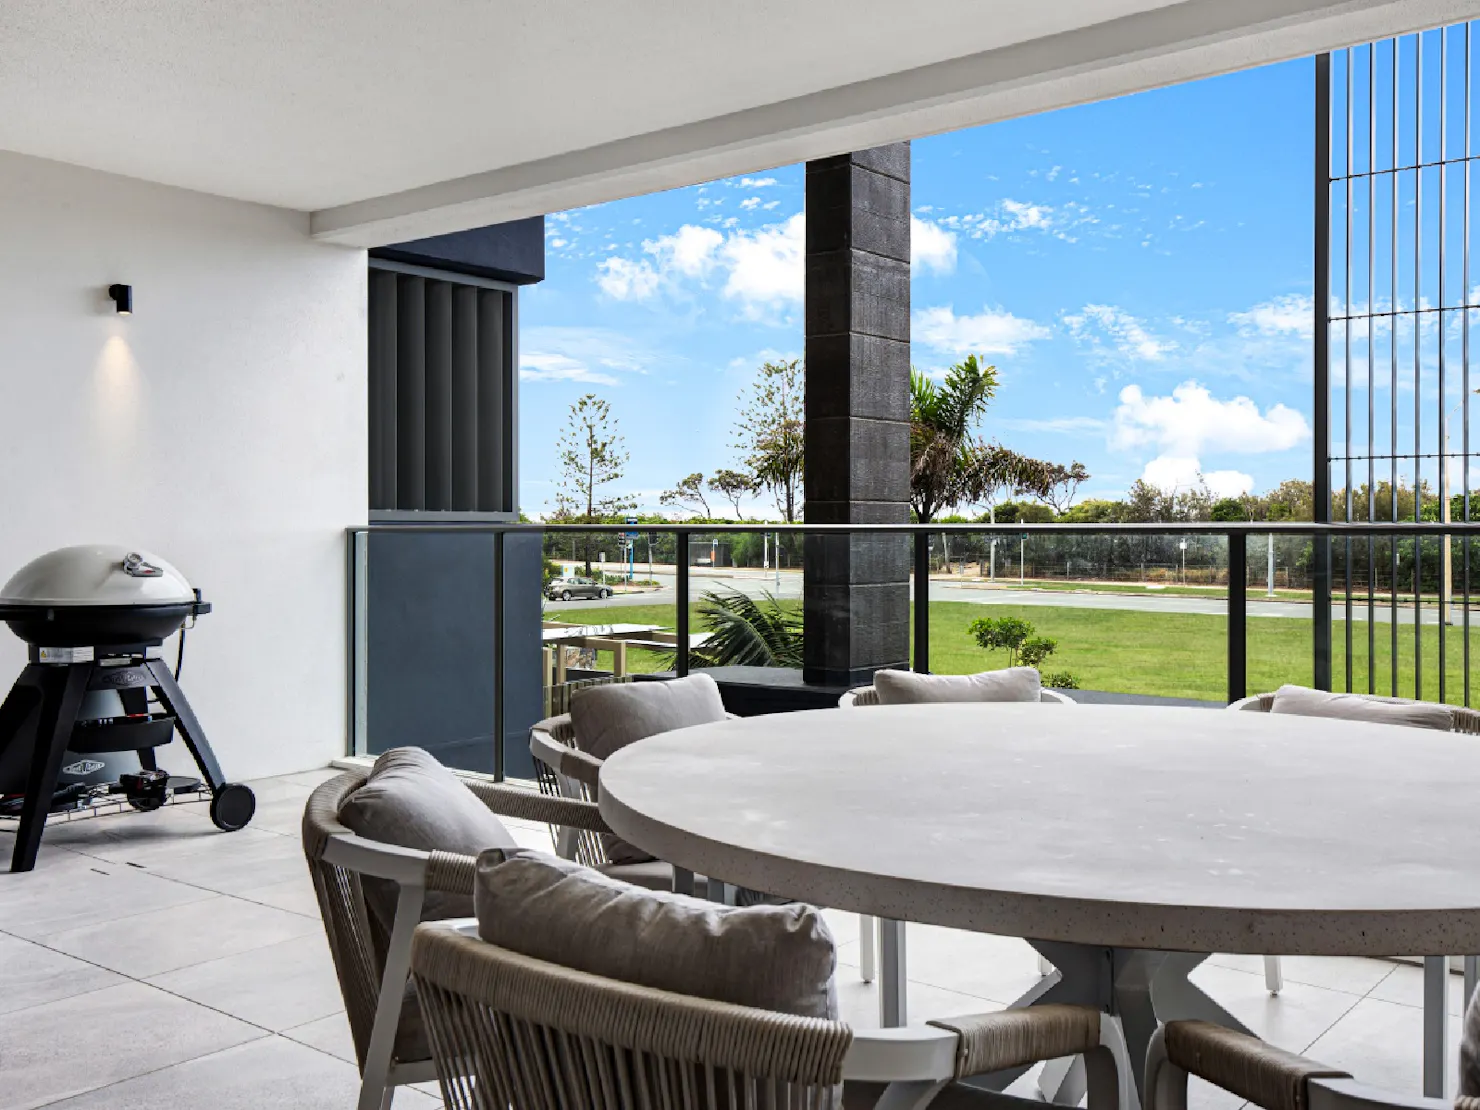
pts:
[151, 961]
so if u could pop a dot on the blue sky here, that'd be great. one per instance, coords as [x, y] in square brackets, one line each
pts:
[1138, 270]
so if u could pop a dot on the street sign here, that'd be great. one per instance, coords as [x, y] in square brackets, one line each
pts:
[631, 535]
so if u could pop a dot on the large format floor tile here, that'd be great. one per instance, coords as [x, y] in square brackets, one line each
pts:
[72, 891]
[328, 1034]
[78, 1044]
[1296, 1018]
[150, 943]
[267, 1074]
[277, 986]
[31, 975]
[1381, 1043]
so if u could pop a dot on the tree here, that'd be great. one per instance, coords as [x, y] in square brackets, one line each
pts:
[1227, 509]
[687, 495]
[950, 465]
[748, 632]
[1063, 484]
[1014, 636]
[732, 485]
[592, 457]
[769, 434]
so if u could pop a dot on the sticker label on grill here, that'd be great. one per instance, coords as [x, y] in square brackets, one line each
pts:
[83, 767]
[65, 655]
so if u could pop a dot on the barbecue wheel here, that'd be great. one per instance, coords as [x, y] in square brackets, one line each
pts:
[233, 806]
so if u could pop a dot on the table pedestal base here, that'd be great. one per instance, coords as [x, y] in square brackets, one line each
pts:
[1139, 987]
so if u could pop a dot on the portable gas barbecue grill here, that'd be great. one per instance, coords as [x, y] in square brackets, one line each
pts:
[94, 690]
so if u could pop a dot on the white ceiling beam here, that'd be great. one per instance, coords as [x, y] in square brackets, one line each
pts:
[1169, 45]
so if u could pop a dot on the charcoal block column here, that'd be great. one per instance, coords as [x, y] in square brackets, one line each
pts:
[856, 601]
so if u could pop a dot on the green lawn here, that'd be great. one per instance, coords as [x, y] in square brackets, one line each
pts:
[1168, 654]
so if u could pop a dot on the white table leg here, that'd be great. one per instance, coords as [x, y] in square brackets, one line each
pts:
[894, 982]
[1435, 1024]
[868, 947]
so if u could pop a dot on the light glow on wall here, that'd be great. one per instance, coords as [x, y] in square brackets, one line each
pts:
[116, 402]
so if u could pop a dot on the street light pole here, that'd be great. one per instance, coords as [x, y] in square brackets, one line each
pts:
[1269, 587]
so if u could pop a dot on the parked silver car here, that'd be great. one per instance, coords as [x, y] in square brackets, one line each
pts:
[564, 589]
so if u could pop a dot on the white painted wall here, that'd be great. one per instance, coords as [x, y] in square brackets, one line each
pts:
[222, 426]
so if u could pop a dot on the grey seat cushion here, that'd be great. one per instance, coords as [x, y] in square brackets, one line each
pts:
[653, 874]
[909, 688]
[778, 958]
[413, 801]
[1304, 702]
[608, 718]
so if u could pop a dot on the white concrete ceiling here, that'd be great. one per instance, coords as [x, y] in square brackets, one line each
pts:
[392, 119]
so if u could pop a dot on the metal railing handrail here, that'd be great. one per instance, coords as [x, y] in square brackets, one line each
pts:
[922, 536]
[1334, 530]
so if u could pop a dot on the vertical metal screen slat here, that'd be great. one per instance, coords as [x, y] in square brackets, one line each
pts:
[411, 416]
[490, 447]
[382, 385]
[1393, 395]
[1417, 361]
[1371, 362]
[1346, 362]
[1321, 462]
[464, 447]
[1465, 364]
[1443, 439]
[439, 396]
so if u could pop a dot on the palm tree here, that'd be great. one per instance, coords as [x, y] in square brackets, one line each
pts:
[949, 464]
[748, 632]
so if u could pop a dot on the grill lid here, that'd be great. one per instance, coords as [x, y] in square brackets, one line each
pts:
[96, 574]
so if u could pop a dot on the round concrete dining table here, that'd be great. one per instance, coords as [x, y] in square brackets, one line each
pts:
[1125, 843]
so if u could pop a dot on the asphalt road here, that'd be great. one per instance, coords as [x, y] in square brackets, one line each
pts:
[757, 583]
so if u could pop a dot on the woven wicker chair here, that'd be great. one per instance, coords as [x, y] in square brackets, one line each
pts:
[1465, 720]
[573, 774]
[384, 1021]
[867, 695]
[1260, 1073]
[510, 1030]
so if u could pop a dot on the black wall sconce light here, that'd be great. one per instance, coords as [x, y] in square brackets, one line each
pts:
[123, 299]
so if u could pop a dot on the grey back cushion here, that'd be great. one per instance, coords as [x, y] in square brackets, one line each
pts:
[608, 718]
[413, 801]
[909, 688]
[1304, 702]
[778, 958]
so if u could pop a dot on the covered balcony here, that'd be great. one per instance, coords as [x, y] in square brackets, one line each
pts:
[261, 319]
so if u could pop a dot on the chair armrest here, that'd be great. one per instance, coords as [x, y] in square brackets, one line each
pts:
[558, 728]
[514, 801]
[581, 766]
[1012, 1038]
[1240, 1064]
[1255, 703]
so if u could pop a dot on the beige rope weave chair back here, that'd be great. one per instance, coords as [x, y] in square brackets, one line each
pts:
[358, 952]
[533, 1035]
[1465, 720]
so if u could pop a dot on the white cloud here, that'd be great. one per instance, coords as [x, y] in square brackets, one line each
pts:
[750, 202]
[762, 269]
[1066, 424]
[623, 279]
[757, 182]
[1106, 326]
[596, 356]
[1288, 315]
[765, 266]
[1192, 420]
[1010, 216]
[932, 247]
[1175, 473]
[544, 366]
[991, 332]
[689, 251]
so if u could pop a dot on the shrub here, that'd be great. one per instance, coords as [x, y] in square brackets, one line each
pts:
[1061, 680]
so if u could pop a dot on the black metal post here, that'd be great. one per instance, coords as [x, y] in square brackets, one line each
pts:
[500, 652]
[1238, 617]
[681, 601]
[1321, 462]
[922, 602]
